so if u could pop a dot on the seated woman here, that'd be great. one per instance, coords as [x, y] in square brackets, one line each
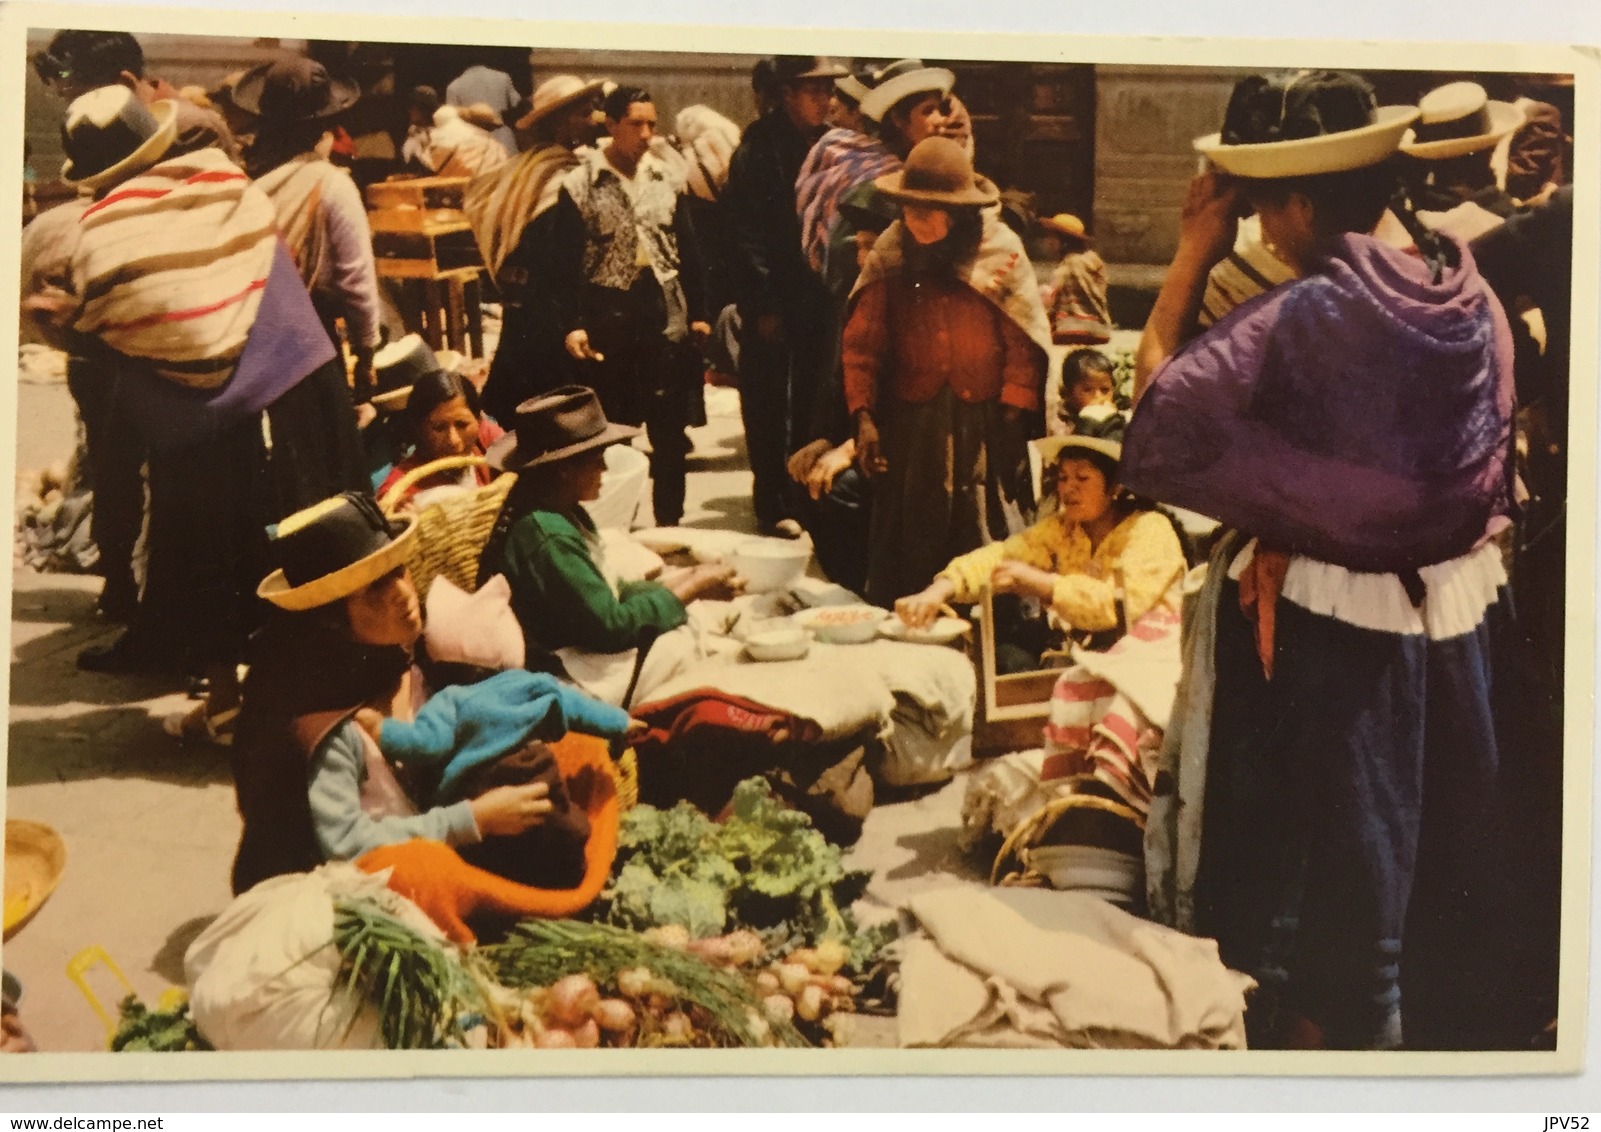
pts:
[313, 784]
[547, 546]
[443, 418]
[1099, 562]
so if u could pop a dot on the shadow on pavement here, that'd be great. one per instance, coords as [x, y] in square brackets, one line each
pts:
[168, 962]
[108, 743]
[45, 672]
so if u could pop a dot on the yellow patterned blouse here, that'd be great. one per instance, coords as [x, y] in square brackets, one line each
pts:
[1142, 552]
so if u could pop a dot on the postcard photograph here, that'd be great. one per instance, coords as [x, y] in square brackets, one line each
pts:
[604, 544]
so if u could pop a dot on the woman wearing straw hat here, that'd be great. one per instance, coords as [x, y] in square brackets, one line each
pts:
[313, 784]
[320, 212]
[1357, 422]
[944, 365]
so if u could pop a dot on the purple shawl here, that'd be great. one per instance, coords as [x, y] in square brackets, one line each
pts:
[1361, 415]
[841, 160]
[287, 341]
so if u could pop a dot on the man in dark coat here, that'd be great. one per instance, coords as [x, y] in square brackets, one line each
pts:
[782, 303]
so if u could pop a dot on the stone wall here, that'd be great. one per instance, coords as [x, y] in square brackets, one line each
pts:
[1145, 123]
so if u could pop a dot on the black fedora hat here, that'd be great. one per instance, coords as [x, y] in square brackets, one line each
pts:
[295, 89]
[560, 424]
[332, 550]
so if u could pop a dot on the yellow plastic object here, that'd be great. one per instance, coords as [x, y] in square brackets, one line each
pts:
[78, 968]
[35, 859]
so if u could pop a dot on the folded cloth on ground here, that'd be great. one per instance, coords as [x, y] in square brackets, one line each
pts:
[263, 974]
[935, 690]
[1001, 795]
[1109, 979]
[606, 675]
[451, 892]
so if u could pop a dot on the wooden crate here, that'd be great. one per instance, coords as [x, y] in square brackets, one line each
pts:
[418, 192]
[1012, 709]
[425, 252]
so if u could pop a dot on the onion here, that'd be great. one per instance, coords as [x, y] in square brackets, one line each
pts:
[556, 1039]
[677, 1027]
[806, 957]
[571, 1000]
[588, 1035]
[793, 977]
[831, 957]
[614, 1015]
[766, 982]
[780, 1008]
[716, 951]
[634, 982]
[675, 936]
[810, 1003]
[745, 947]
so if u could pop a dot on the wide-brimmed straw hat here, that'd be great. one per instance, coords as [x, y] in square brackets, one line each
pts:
[293, 88]
[35, 859]
[795, 68]
[902, 79]
[938, 172]
[560, 424]
[1304, 124]
[109, 135]
[555, 94]
[332, 550]
[1458, 119]
[1064, 224]
[1055, 448]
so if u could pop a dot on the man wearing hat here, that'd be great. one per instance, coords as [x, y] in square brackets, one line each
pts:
[1346, 857]
[74, 63]
[1453, 182]
[510, 211]
[483, 85]
[782, 306]
[201, 327]
[626, 291]
[320, 212]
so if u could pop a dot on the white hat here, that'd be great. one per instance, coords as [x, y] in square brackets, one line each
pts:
[902, 80]
[1458, 119]
[109, 136]
[1304, 157]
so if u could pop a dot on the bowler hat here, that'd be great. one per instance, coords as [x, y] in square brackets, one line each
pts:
[295, 89]
[333, 549]
[560, 424]
[900, 80]
[109, 135]
[794, 68]
[1304, 124]
[938, 172]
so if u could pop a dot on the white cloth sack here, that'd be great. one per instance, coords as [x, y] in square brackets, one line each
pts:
[263, 974]
[1104, 978]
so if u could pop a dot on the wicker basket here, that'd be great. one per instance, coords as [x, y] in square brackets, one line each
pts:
[1028, 834]
[452, 532]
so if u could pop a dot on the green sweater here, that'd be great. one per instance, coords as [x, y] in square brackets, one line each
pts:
[561, 598]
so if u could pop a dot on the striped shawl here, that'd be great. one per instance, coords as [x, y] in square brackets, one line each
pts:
[502, 202]
[171, 264]
[841, 160]
[295, 189]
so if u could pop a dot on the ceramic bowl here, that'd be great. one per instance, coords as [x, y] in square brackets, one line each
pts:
[842, 624]
[770, 564]
[781, 643]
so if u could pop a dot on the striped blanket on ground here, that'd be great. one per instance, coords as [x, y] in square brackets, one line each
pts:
[839, 162]
[170, 266]
[1109, 710]
[501, 203]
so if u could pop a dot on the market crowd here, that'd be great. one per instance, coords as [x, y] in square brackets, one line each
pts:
[1304, 503]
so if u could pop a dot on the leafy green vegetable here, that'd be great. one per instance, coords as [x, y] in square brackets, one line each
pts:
[143, 1030]
[422, 991]
[765, 867]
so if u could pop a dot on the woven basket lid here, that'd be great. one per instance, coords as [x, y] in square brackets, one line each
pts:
[35, 859]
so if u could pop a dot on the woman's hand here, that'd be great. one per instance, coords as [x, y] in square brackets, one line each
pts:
[712, 580]
[366, 413]
[1020, 578]
[922, 609]
[869, 453]
[828, 467]
[506, 811]
[801, 463]
[578, 347]
[1211, 215]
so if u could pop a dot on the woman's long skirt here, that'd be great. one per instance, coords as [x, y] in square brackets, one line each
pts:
[1346, 859]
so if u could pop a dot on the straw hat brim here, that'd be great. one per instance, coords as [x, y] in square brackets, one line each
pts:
[341, 583]
[145, 155]
[1053, 448]
[539, 113]
[35, 859]
[1504, 118]
[926, 80]
[1306, 157]
[393, 401]
[342, 95]
[502, 454]
[1052, 224]
[982, 192]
